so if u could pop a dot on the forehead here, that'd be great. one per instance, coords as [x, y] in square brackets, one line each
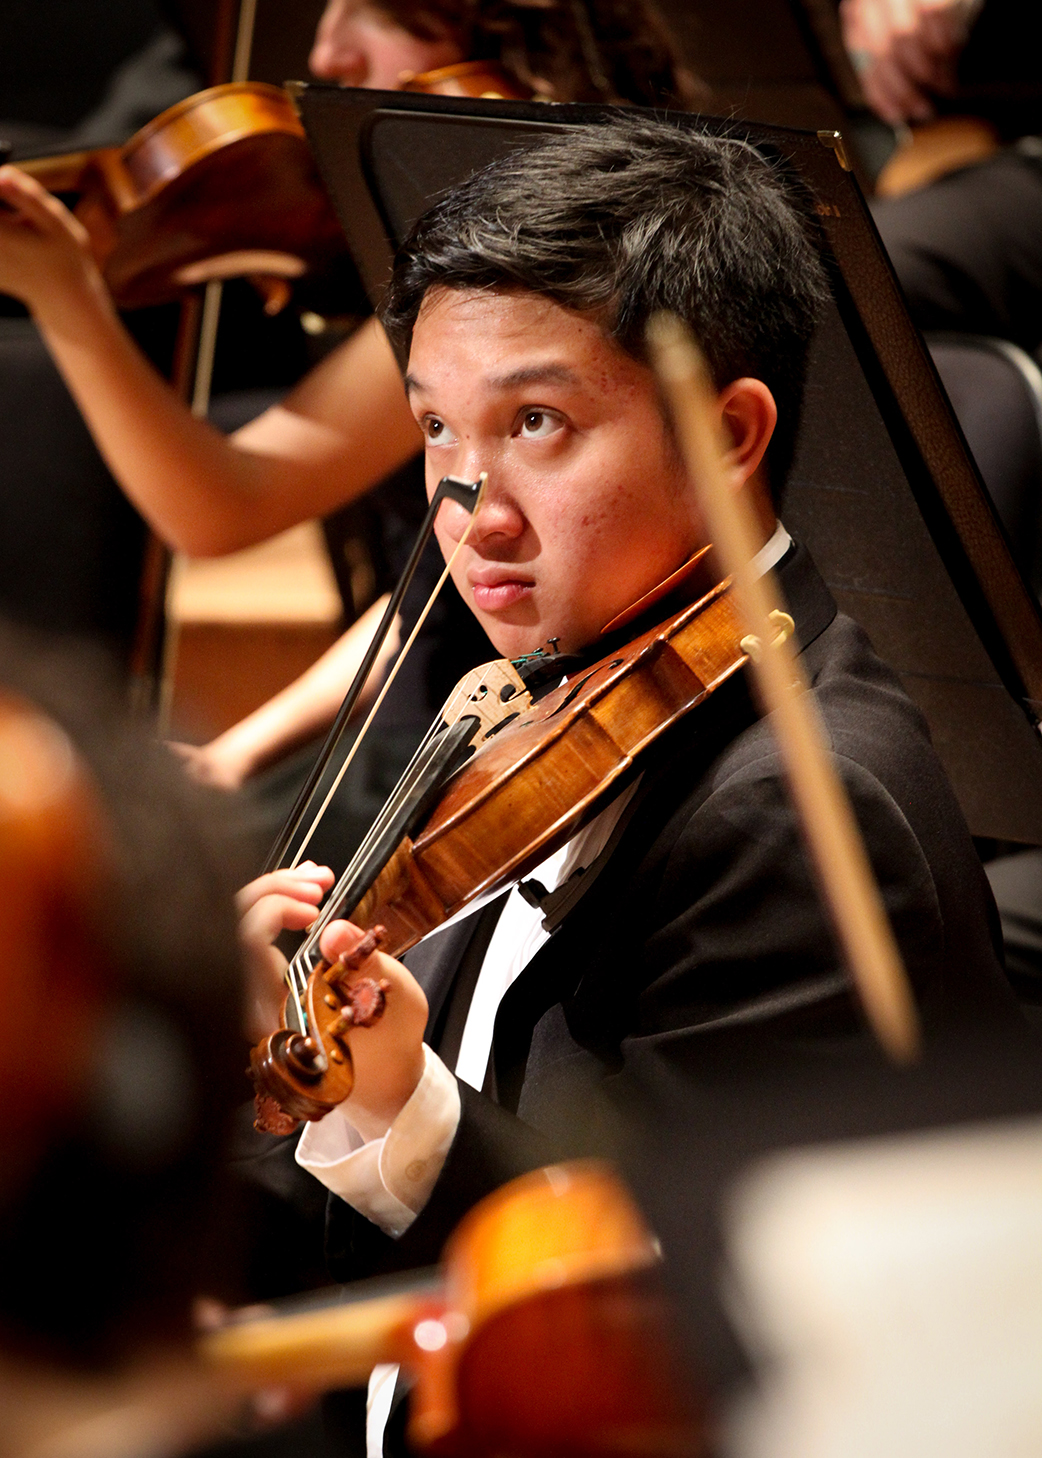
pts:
[509, 336]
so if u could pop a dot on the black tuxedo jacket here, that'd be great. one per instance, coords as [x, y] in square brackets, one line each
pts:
[704, 932]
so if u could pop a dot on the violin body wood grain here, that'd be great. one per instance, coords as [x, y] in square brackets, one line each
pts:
[402, 900]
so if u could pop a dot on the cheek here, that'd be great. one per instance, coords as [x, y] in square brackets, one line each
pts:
[592, 522]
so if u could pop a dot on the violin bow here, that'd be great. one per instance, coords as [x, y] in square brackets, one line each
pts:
[467, 494]
[837, 851]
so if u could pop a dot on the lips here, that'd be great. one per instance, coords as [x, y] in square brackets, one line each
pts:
[497, 588]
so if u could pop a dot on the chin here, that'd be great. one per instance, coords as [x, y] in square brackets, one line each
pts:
[508, 643]
[509, 640]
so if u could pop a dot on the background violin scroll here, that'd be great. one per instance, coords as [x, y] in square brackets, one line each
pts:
[481, 80]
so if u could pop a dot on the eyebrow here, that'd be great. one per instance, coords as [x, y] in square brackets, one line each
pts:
[546, 374]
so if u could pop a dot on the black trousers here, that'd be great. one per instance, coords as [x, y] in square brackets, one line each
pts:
[968, 249]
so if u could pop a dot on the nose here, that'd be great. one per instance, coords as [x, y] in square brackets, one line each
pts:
[498, 520]
[335, 55]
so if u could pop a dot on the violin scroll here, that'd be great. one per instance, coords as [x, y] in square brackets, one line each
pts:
[299, 1076]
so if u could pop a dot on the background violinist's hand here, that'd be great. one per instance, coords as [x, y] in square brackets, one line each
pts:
[279, 901]
[905, 52]
[45, 257]
[388, 1057]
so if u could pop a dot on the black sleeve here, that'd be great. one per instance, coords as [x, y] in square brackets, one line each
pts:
[737, 915]
[491, 1147]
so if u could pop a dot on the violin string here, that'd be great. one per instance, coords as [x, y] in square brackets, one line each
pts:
[403, 791]
[469, 494]
[293, 982]
[400, 792]
[298, 970]
[342, 771]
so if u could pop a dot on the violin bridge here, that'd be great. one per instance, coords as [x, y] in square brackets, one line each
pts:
[492, 694]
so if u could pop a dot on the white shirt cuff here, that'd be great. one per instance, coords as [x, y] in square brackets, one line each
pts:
[390, 1179]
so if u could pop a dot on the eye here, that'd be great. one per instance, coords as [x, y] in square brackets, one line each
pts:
[537, 425]
[436, 431]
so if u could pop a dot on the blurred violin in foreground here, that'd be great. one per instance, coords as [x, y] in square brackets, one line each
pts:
[547, 1332]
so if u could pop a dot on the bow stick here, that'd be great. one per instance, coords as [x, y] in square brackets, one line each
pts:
[837, 850]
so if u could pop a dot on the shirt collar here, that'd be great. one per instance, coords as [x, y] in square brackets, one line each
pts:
[772, 551]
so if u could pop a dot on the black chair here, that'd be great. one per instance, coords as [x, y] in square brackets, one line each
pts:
[996, 393]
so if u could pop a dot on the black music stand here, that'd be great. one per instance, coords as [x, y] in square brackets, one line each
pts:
[883, 490]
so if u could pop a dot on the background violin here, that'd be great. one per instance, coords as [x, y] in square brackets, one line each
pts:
[221, 185]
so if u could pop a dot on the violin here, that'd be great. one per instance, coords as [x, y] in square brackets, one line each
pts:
[488, 796]
[220, 185]
[546, 1332]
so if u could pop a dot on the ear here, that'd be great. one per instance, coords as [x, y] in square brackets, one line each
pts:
[749, 415]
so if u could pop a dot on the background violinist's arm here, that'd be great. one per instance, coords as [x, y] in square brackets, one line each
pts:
[303, 710]
[344, 427]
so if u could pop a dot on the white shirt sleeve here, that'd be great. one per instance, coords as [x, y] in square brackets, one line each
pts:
[388, 1179]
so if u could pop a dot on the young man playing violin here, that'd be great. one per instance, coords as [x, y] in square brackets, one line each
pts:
[522, 300]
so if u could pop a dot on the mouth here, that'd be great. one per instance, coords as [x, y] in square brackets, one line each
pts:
[494, 589]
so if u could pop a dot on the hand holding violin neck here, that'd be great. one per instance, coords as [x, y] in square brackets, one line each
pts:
[302, 1074]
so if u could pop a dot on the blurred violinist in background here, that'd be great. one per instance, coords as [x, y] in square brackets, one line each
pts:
[966, 248]
[345, 426]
